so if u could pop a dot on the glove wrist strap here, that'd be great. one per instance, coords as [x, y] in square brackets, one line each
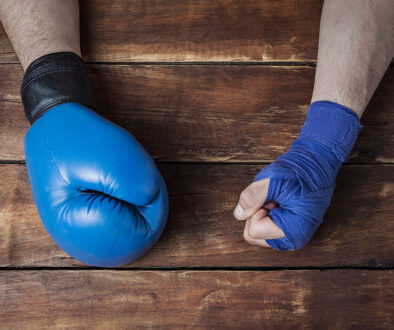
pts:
[332, 125]
[54, 79]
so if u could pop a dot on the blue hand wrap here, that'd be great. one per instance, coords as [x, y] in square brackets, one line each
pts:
[302, 180]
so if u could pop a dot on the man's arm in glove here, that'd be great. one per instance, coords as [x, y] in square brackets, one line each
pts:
[98, 192]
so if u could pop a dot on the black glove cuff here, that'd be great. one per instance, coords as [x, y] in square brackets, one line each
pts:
[52, 80]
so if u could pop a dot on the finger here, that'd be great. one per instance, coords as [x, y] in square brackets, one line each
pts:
[250, 240]
[251, 199]
[270, 205]
[260, 214]
[267, 207]
[261, 226]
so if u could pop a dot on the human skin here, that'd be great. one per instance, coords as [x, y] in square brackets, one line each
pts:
[356, 46]
[355, 49]
[40, 27]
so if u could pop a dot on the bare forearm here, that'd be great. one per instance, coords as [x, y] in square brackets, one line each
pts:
[355, 48]
[40, 27]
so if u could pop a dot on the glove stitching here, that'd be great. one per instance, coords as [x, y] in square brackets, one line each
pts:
[41, 73]
[49, 105]
[51, 156]
[29, 80]
[52, 67]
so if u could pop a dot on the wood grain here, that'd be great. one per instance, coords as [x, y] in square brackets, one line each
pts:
[206, 112]
[200, 122]
[202, 232]
[194, 299]
[190, 30]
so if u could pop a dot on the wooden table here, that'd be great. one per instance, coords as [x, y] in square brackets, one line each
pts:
[214, 90]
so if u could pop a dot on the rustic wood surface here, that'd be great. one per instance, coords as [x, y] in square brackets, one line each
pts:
[214, 90]
[187, 299]
[190, 30]
[208, 113]
[357, 229]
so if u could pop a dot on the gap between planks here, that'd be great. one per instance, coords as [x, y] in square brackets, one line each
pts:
[201, 269]
[208, 63]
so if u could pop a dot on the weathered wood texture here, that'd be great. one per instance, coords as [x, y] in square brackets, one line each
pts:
[195, 30]
[182, 299]
[201, 231]
[205, 113]
[208, 113]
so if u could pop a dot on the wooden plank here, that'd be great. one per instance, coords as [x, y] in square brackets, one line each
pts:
[208, 113]
[202, 232]
[197, 299]
[203, 30]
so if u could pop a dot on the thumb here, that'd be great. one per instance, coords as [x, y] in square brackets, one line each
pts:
[251, 199]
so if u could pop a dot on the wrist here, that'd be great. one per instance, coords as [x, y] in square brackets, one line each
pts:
[54, 79]
[333, 126]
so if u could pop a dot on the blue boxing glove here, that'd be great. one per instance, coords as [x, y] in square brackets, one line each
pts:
[98, 192]
[302, 180]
